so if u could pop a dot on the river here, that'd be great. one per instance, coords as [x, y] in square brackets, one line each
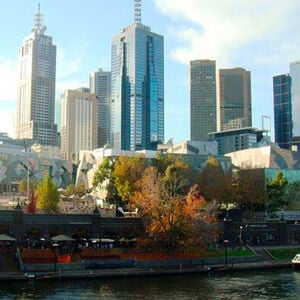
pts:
[275, 284]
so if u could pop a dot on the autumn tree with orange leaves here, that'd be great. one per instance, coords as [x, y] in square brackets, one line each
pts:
[178, 216]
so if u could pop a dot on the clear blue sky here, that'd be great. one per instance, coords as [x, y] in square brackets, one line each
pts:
[261, 36]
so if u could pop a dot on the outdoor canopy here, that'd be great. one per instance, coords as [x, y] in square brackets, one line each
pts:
[62, 238]
[5, 237]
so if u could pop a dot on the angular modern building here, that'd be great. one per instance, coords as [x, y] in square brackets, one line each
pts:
[234, 99]
[203, 99]
[78, 123]
[283, 111]
[35, 116]
[137, 79]
[295, 91]
[100, 85]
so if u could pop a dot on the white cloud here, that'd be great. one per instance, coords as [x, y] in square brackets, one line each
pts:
[8, 79]
[220, 29]
[7, 118]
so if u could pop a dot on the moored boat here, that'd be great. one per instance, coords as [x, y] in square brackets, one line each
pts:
[296, 261]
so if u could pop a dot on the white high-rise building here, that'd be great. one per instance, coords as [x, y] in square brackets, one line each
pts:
[78, 123]
[36, 87]
[100, 85]
[137, 78]
[295, 92]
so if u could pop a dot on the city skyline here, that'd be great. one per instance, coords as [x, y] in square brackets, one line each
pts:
[192, 30]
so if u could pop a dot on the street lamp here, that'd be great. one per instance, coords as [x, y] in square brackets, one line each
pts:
[241, 237]
[226, 242]
[55, 245]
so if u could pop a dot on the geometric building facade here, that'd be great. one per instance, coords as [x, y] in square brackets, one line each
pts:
[203, 102]
[283, 122]
[36, 87]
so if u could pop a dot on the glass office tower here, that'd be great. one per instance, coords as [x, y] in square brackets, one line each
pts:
[137, 98]
[203, 99]
[100, 85]
[36, 87]
[283, 111]
[235, 98]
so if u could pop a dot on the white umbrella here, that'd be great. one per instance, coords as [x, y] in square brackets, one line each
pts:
[62, 238]
[5, 237]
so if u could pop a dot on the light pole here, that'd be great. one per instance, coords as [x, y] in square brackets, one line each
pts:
[55, 245]
[226, 242]
[241, 237]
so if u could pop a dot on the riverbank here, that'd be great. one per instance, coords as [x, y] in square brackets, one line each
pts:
[155, 271]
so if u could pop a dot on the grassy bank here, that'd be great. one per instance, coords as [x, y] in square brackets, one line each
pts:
[284, 253]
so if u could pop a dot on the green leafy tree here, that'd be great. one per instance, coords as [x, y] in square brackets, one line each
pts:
[292, 196]
[126, 173]
[47, 195]
[276, 189]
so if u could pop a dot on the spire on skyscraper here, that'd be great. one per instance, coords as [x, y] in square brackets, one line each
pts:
[38, 26]
[137, 11]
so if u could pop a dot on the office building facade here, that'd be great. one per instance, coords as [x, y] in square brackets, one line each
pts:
[100, 85]
[35, 116]
[203, 102]
[78, 123]
[234, 99]
[137, 79]
[295, 91]
[283, 123]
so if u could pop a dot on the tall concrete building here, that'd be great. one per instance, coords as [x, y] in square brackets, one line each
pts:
[234, 99]
[295, 91]
[283, 124]
[137, 99]
[35, 116]
[100, 85]
[203, 99]
[78, 123]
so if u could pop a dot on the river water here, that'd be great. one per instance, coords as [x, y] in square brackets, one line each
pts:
[278, 284]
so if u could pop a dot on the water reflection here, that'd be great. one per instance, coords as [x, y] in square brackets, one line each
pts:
[279, 284]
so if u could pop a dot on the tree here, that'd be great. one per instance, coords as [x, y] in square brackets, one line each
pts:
[215, 185]
[126, 173]
[23, 185]
[47, 195]
[292, 196]
[104, 179]
[31, 207]
[251, 189]
[172, 215]
[276, 189]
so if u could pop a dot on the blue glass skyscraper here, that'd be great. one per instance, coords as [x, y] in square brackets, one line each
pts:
[283, 111]
[137, 98]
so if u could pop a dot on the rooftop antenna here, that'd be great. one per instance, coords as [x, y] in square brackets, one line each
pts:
[38, 26]
[138, 11]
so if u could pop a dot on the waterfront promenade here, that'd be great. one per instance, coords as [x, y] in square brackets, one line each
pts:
[9, 270]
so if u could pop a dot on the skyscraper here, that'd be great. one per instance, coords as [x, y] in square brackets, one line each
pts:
[78, 123]
[100, 85]
[283, 111]
[203, 101]
[36, 87]
[234, 99]
[137, 78]
[295, 91]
